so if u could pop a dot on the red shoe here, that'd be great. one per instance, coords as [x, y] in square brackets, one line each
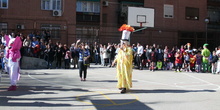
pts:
[12, 88]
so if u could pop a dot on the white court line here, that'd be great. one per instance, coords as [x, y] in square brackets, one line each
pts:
[47, 81]
[209, 83]
[158, 83]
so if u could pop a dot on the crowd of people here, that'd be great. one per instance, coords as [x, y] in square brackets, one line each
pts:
[151, 57]
[126, 57]
[180, 59]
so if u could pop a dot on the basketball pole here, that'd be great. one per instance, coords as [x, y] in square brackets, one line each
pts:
[136, 31]
[140, 29]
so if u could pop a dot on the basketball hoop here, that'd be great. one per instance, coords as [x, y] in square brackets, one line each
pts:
[141, 19]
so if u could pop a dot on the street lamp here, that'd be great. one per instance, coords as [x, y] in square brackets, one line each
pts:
[206, 22]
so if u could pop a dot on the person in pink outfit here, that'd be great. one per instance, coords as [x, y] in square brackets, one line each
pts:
[13, 55]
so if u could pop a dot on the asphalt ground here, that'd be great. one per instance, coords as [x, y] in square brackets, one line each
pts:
[61, 89]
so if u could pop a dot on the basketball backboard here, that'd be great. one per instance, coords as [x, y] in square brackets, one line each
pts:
[140, 17]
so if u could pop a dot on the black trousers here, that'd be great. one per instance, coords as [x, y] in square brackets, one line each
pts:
[82, 68]
[139, 62]
[58, 63]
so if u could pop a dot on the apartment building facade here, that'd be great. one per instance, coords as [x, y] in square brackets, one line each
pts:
[176, 22]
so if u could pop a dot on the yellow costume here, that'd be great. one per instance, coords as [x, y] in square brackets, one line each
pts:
[124, 67]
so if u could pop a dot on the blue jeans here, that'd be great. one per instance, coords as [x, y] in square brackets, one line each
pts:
[96, 59]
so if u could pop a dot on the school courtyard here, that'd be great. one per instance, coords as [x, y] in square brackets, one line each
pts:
[61, 89]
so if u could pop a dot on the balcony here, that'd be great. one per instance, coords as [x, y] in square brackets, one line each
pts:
[215, 3]
[87, 17]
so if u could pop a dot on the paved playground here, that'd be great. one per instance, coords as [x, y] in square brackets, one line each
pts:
[61, 89]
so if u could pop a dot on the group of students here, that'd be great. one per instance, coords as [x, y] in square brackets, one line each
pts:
[180, 59]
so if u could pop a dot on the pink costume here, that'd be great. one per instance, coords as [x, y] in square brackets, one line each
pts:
[13, 55]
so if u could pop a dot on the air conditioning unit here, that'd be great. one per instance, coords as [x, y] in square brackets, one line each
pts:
[20, 26]
[105, 3]
[57, 12]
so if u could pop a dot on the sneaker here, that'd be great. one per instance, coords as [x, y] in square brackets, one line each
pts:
[12, 88]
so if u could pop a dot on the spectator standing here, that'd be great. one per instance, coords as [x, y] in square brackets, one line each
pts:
[96, 51]
[67, 59]
[159, 53]
[49, 56]
[111, 51]
[140, 51]
[213, 60]
[105, 55]
[27, 46]
[65, 56]
[178, 61]
[42, 49]
[187, 61]
[59, 52]
[171, 57]
[35, 47]
[134, 49]
[165, 56]
[218, 61]
[101, 54]
[153, 59]
[2, 34]
[198, 62]
[74, 56]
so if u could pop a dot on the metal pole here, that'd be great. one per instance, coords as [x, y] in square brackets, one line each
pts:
[206, 33]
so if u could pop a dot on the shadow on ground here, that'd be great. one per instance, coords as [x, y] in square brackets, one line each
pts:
[14, 98]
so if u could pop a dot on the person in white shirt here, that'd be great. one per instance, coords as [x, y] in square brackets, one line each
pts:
[101, 54]
[218, 61]
[140, 51]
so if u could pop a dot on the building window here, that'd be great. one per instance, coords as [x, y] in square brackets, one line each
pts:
[51, 4]
[168, 11]
[88, 6]
[4, 27]
[192, 13]
[53, 29]
[3, 3]
[87, 34]
[122, 18]
[214, 15]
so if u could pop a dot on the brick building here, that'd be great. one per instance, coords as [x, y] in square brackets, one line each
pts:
[176, 21]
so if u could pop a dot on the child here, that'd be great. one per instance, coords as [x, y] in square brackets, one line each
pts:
[67, 59]
[214, 62]
[178, 61]
[187, 62]
[152, 59]
[159, 65]
[198, 62]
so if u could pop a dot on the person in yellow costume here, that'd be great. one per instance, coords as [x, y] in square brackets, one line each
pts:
[124, 67]
[124, 60]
